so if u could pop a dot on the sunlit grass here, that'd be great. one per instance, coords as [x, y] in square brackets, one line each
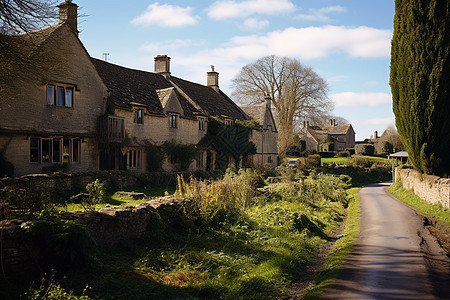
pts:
[341, 249]
[436, 210]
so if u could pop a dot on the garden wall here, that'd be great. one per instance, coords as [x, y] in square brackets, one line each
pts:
[430, 188]
[108, 227]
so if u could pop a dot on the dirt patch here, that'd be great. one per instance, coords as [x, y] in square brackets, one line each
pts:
[440, 231]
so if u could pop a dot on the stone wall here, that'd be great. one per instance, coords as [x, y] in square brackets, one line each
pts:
[430, 188]
[109, 227]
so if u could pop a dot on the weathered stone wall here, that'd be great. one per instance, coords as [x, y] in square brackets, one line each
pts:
[430, 188]
[108, 227]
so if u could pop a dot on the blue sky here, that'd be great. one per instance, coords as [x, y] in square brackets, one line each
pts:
[347, 42]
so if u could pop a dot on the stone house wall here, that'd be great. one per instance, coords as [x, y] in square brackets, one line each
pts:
[265, 149]
[430, 188]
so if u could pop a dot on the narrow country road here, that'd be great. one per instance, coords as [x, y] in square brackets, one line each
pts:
[395, 257]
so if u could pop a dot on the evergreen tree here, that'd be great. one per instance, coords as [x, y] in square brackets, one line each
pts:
[420, 82]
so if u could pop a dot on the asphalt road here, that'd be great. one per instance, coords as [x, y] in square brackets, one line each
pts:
[395, 257]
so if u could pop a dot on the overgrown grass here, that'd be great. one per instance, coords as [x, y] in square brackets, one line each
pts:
[407, 196]
[341, 249]
[234, 243]
[114, 199]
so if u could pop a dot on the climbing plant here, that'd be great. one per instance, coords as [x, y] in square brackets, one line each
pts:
[229, 139]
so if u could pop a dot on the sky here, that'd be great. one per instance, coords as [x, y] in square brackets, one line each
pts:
[346, 42]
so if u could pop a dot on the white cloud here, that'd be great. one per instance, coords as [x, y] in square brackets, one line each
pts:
[321, 13]
[255, 24]
[315, 42]
[350, 99]
[170, 45]
[221, 10]
[376, 121]
[165, 16]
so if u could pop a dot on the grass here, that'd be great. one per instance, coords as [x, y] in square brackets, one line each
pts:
[341, 249]
[439, 212]
[253, 253]
[114, 199]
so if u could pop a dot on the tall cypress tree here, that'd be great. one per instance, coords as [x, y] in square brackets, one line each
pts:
[420, 82]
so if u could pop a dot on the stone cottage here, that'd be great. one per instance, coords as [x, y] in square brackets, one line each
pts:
[328, 137]
[85, 114]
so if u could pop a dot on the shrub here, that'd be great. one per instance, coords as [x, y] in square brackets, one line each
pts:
[96, 195]
[364, 149]
[351, 150]
[362, 162]
[155, 157]
[326, 154]
[386, 148]
[344, 153]
[313, 161]
[56, 168]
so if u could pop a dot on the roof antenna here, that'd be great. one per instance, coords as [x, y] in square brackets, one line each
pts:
[105, 56]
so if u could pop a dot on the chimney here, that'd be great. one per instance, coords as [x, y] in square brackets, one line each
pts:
[332, 122]
[375, 135]
[68, 14]
[162, 65]
[268, 101]
[213, 79]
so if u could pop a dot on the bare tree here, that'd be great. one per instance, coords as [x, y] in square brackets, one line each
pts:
[297, 91]
[23, 16]
[392, 136]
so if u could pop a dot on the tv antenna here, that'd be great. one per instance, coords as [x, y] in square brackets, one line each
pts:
[105, 56]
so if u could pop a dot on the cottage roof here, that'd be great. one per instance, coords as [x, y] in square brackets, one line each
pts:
[208, 100]
[338, 129]
[129, 85]
[255, 111]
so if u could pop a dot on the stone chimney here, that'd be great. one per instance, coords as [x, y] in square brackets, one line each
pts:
[332, 122]
[375, 135]
[162, 65]
[268, 100]
[213, 79]
[68, 14]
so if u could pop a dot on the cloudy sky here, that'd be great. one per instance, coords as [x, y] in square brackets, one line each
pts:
[347, 42]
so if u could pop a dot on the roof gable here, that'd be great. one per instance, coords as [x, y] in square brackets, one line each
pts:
[169, 100]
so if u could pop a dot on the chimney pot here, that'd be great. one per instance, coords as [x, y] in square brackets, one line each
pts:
[162, 65]
[268, 101]
[68, 14]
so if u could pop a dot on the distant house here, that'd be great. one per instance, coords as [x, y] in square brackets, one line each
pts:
[328, 137]
[88, 114]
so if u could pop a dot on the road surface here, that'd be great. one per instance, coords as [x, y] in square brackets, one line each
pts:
[394, 257]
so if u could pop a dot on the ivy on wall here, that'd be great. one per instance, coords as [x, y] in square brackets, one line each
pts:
[228, 139]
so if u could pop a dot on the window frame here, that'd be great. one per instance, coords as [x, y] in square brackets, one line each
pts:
[60, 95]
[55, 150]
[201, 124]
[138, 116]
[173, 121]
[134, 159]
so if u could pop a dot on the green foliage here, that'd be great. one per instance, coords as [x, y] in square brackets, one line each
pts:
[155, 157]
[51, 289]
[439, 212]
[61, 244]
[344, 153]
[327, 147]
[313, 161]
[228, 140]
[420, 73]
[183, 154]
[364, 149]
[96, 194]
[386, 148]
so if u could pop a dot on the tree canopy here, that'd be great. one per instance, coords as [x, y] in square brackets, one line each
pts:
[419, 82]
[297, 91]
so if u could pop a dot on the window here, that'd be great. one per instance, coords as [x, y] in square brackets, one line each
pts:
[269, 159]
[172, 121]
[46, 150]
[34, 149]
[134, 159]
[60, 95]
[228, 122]
[200, 157]
[139, 116]
[201, 124]
[55, 150]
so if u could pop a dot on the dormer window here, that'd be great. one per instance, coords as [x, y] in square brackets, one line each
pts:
[60, 95]
[228, 122]
[139, 116]
[172, 121]
[201, 124]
